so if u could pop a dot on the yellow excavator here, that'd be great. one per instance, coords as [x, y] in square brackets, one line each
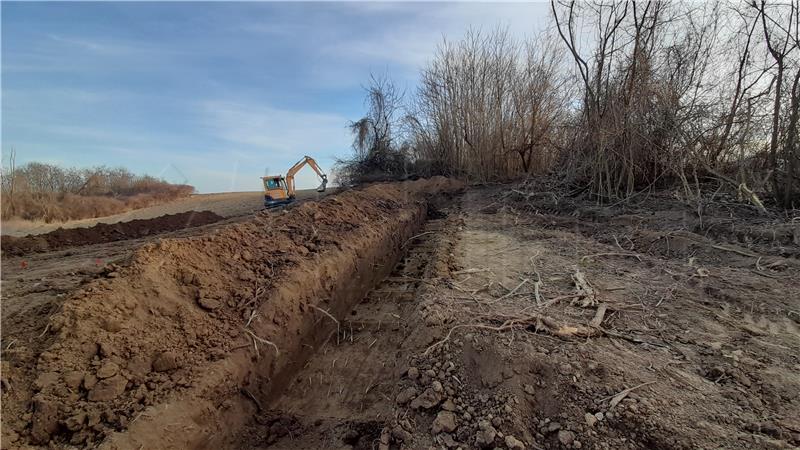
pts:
[280, 191]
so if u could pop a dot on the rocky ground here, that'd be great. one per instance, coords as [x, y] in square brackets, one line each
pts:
[545, 324]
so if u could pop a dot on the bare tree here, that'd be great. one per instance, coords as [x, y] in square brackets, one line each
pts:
[646, 93]
[9, 183]
[780, 28]
[377, 153]
[488, 106]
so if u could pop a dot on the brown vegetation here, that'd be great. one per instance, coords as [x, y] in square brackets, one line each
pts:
[38, 191]
[621, 97]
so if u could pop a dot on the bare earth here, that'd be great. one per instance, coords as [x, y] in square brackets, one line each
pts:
[502, 321]
[228, 204]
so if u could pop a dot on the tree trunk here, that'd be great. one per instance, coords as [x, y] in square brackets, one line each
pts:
[773, 145]
[790, 147]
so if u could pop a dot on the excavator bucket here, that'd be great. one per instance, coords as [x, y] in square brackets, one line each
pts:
[321, 187]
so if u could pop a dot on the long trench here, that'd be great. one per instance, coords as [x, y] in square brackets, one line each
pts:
[341, 396]
[335, 367]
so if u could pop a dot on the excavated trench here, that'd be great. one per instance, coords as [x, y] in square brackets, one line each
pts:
[344, 392]
[195, 337]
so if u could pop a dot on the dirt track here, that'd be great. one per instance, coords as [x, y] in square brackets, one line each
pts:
[481, 320]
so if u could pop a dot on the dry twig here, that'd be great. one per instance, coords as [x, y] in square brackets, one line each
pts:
[466, 271]
[615, 399]
[414, 237]
[263, 341]
[585, 291]
[540, 322]
[598, 316]
[510, 293]
[632, 255]
[332, 318]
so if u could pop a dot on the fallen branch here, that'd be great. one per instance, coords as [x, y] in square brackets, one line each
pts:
[466, 271]
[735, 250]
[632, 339]
[598, 316]
[538, 283]
[540, 322]
[741, 188]
[512, 292]
[615, 399]
[414, 237]
[559, 298]
[536, 293]
[584, 290]
[632, 255]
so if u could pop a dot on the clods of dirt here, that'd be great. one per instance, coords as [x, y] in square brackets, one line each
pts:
[177, 333]
[103, 233]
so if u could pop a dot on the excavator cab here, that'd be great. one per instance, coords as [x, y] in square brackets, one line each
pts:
[280, 191]
[275, 191]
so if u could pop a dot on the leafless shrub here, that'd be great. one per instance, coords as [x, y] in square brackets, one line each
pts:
[489, 107]
[379, 152]
[625, 97]
[47, 192]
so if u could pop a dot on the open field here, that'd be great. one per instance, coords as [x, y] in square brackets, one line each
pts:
[229, 204]
[415, 315]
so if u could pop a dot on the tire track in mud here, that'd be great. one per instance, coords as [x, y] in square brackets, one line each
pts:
[344, 395]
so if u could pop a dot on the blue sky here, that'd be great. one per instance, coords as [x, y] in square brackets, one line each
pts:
[213, 94]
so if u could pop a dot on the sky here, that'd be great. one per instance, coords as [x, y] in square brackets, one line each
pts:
[214, 95]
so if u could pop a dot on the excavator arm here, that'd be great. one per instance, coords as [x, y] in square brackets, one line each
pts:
[296, 168]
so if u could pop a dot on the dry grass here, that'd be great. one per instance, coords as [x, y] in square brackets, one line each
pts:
[51, 194]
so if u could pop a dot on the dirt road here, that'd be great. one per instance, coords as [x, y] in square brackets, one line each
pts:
[489, 320]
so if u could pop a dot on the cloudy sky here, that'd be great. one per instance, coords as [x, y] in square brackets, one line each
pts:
[213, 94]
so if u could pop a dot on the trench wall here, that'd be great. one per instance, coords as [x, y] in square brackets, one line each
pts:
[182, 346]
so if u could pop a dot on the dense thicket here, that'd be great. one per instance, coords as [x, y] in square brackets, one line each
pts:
[37, 191]
[615, 97]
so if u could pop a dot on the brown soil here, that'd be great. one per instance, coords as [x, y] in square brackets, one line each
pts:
[227, 204]
[697, 347]
[182, 325]
[395, 318]
[103, 233]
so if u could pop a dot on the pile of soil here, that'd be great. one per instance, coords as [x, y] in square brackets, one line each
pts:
[166, 347]
[103, 233]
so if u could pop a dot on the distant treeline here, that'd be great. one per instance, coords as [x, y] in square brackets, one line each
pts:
[618, 97]
[37, 191]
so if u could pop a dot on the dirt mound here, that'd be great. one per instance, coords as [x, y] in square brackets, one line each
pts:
[196, 333]
[102, 233]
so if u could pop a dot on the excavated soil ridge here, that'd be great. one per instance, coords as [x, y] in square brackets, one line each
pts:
[103, 233]
[181, 347]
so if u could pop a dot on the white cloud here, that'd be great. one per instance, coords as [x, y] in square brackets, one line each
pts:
[277, 130]
[412, 40]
